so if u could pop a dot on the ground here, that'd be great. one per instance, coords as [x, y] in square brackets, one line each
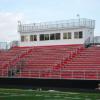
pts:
[18, 94]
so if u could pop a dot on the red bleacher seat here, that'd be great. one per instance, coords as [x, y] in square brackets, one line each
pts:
[56, 62]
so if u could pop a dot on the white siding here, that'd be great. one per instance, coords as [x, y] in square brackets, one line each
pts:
[54, 42]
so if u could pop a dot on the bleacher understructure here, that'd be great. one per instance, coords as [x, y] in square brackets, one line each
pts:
[51, 62]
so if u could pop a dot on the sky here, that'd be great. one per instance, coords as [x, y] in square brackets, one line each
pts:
[32, 11]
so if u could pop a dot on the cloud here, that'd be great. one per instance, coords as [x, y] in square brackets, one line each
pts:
[8, 25]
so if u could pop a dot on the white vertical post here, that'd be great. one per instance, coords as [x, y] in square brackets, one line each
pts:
[78, 17]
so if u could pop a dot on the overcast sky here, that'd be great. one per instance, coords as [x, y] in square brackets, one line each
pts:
[43, 10]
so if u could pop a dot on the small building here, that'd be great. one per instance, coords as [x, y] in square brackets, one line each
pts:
[67, 32]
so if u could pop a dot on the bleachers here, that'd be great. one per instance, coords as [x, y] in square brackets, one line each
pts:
[86, 65]
[54, 62]
[9, 58]
[46, 62]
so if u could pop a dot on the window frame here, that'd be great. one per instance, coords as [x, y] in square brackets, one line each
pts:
[22, 38]
[41, 37]
[25, 38]
[67, 35]
[52, 36]
[57, 36]
[79, 35]
[46, 38]
[35, 37]
[31, 37]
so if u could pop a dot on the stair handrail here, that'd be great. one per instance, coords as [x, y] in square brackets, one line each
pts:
[16, 59]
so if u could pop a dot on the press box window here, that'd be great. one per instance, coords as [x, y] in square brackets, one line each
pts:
[41, 37]
[78, 35]
[33, 37]
[57, 36]
[22, 38]
[67, 35]
[46, 36]
[52, 36]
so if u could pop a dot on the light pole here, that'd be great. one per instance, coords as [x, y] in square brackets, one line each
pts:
[78, 17]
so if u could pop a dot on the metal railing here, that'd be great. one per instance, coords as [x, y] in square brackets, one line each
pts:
[64, 24]
[7, 45]
[66, 74]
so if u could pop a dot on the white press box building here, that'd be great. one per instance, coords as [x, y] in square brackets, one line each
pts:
[68, 32]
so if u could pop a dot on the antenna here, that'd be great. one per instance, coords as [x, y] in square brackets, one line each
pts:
[78, 16]
[19, 22]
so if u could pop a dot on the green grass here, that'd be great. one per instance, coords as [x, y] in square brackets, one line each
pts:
[17, 94]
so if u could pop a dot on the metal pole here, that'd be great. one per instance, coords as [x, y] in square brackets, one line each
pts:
[78, 17]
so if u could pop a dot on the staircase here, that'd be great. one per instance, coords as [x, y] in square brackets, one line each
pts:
[9, 58]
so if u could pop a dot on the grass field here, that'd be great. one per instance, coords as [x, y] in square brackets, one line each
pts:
[17, 94]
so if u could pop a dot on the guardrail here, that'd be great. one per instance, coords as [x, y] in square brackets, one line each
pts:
[73, 23]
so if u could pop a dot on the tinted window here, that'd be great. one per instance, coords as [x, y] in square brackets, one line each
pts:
[46, 36]
[22, 38]
[35, 37]
[31, 37]
[80, 34]
[41, 37]
[67, 35]
[57, 36]
[52, 37]
[76, 35]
